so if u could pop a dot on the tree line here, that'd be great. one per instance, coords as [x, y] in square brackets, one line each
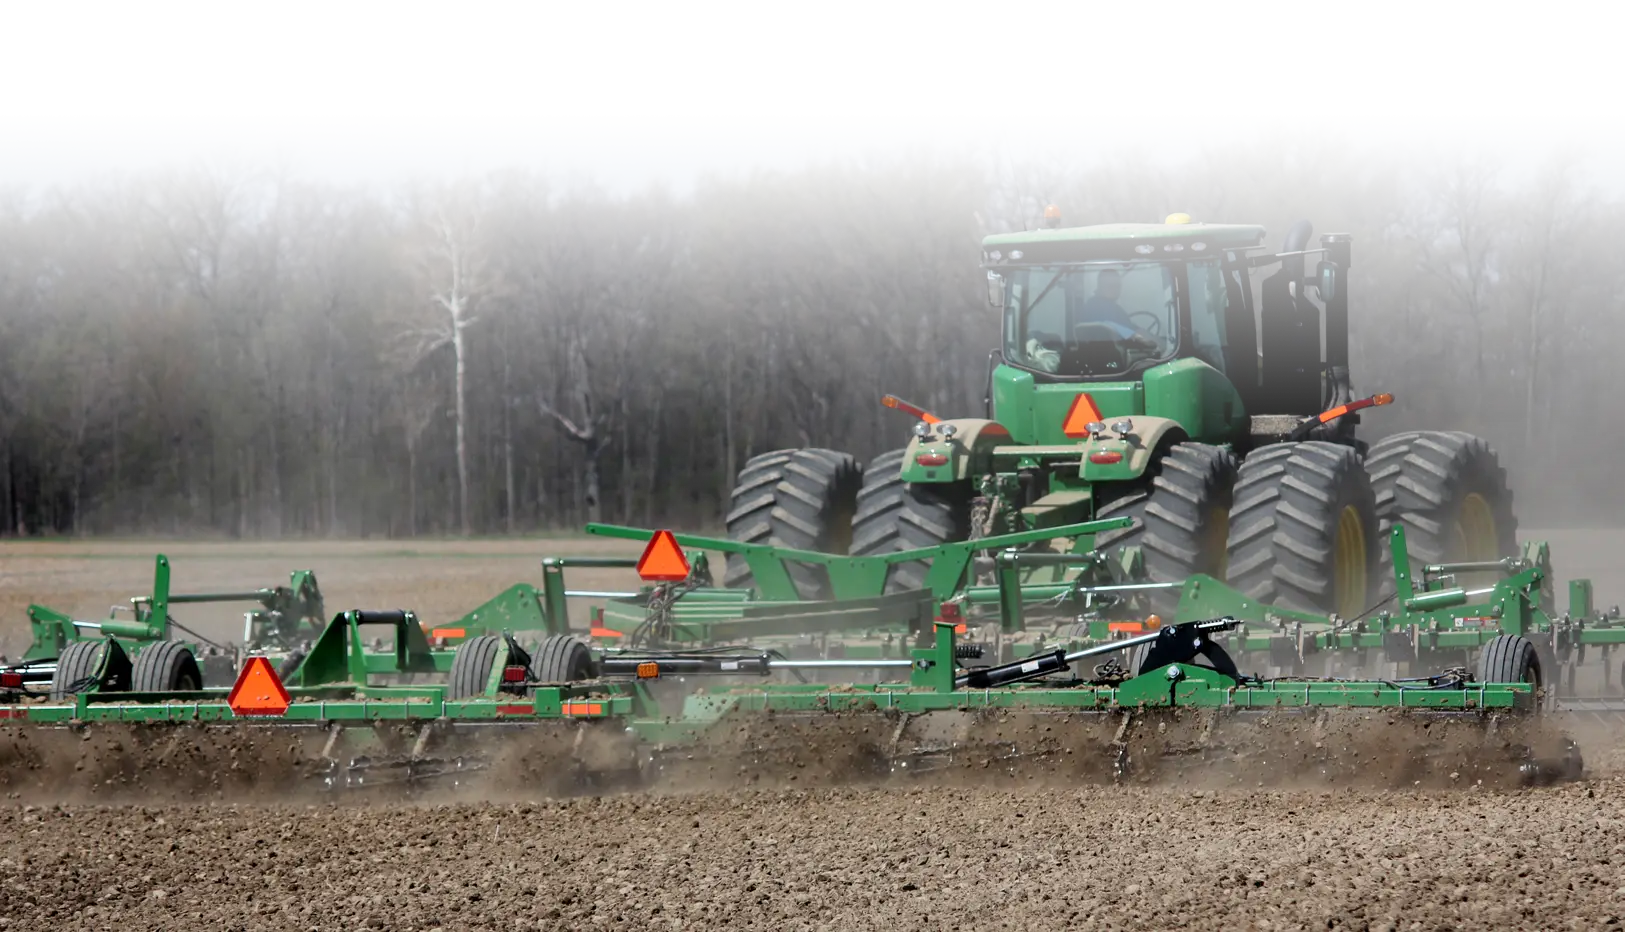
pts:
[258, 355]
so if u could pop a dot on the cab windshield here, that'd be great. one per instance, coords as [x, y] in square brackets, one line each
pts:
[1094, 319]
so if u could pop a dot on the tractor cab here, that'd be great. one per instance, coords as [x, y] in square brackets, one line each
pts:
[1108, 319]
[1099, 308]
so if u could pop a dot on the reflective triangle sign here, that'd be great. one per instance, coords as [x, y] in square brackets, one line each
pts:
[663, 560]
[1080, 416]
[258, 691]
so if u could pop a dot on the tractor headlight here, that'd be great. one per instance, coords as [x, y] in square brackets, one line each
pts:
[947, 430]
[922, 430]
[1123, 427]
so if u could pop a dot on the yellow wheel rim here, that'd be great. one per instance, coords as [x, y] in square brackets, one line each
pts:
[1349, 564]
[1216, 542]
[1476, 537]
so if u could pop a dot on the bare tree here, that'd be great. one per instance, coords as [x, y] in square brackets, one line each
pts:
[1458, 223]
[452, 267]
[1545, 272]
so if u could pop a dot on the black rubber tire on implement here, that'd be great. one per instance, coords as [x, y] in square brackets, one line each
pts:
[894, 515]
[471, 666]
[1511, 658]
[165, 667]
[1442, 487]
[1301, 509]
[1182, 520]
[800, 499]
[562, 658]
[77, 662]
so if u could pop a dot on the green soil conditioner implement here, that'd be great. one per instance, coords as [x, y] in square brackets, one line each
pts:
[716, 684]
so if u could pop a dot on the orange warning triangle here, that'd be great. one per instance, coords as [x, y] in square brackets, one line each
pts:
[258, 691]
[663, 560]
[1078, 418]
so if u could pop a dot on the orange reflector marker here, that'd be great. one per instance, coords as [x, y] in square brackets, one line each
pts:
[581, 708]
[663, 560]
[959, 628]
[1132, 627]
[447, 633]
[598, 632]
[648, 671]
[1153, 622]
[258, 690]
[1078, 418]
[898, 404]
[1373, 401]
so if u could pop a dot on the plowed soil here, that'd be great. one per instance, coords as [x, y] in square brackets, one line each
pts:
[1303, 827]
[834, 859]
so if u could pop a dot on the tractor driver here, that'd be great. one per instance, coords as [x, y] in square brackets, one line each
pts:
[1100, 309]
[1103, 307]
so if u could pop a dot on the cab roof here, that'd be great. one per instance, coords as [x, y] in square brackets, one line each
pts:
[1234, 236]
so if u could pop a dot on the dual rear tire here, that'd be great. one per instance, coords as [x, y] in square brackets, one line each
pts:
[1302, 526]
[1305, 526]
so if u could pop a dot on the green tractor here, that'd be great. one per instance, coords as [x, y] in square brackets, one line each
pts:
[1179, 373]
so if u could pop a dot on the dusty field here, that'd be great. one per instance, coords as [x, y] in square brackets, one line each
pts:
[224, 848]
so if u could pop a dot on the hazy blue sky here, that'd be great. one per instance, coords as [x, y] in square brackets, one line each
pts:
[626, 150]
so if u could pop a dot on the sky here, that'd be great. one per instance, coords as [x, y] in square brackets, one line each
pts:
[626, 150]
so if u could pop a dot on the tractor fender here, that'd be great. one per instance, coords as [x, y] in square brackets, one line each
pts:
[1149, 435]
[965, 454]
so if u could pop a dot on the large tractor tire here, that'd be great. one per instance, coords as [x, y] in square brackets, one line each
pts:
[894, 515]
[798, 499]
[1450, 493]
[1182, 519]
[1303, 530]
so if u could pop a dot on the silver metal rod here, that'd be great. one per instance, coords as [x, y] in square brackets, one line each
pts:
[88, 624]
[598, 594]
[1128, 586]
[836, 664]
[1111, 647]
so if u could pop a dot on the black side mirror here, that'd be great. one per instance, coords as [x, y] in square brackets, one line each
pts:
[1327, 283]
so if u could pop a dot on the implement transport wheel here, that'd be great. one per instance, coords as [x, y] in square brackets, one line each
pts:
[1450, 493]
[797, 499]
[1513, 658]
[472, 665]
[562, 658]
[165, 667]
[1303, 530]
[76, 668]
[894, 515]
[1182, 522]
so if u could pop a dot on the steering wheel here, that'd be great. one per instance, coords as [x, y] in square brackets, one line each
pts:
[1154, 328]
